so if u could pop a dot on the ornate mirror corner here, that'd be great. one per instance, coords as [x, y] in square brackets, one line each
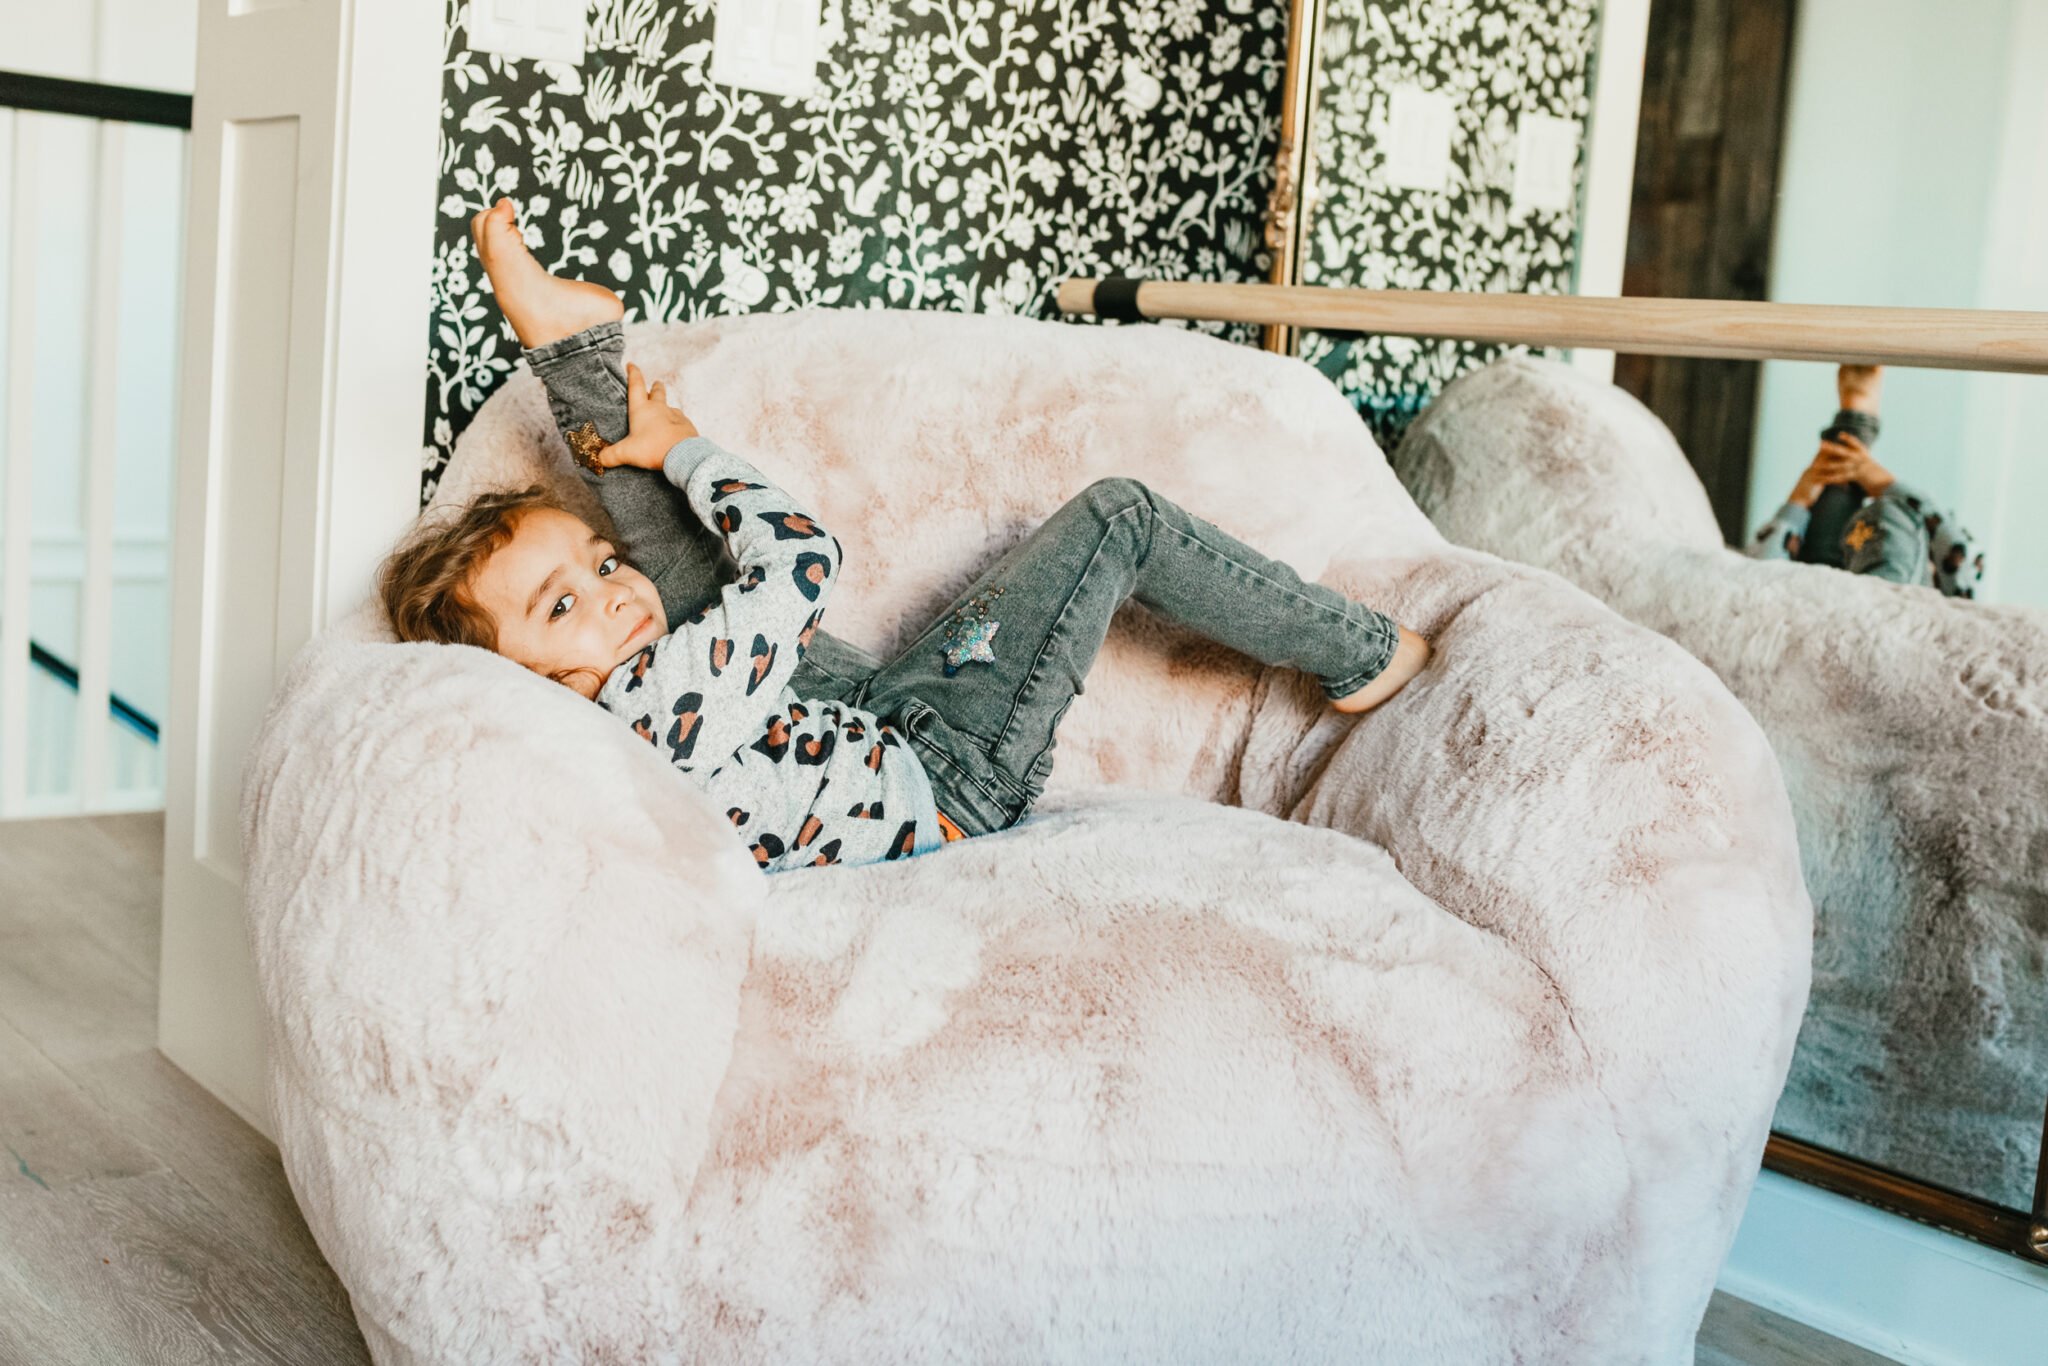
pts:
[1283, 219]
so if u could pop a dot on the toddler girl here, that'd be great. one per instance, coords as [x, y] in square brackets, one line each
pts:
[1849, 512]
[818, 752]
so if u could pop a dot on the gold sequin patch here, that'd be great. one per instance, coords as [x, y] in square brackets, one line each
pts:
[585, 444]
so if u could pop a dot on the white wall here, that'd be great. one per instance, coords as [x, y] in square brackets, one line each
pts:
[122, 42]
[119, 42]
[1913, 177]
[1610, 162]
[2005, 479]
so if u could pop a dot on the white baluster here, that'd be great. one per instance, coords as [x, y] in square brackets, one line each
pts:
[16, 464]
[95, 634]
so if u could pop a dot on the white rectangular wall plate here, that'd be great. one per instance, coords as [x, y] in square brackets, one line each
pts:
[1419, 128]
[768, 45]
[1546, 156]
[536, 30]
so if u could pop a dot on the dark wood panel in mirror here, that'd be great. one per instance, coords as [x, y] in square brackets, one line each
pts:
[1707, 154]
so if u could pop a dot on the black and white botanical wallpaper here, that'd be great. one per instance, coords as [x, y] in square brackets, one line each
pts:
[1496, 60]
[960, 154]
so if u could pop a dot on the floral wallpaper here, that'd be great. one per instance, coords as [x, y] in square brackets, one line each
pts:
[959, 154]
[1496, 59]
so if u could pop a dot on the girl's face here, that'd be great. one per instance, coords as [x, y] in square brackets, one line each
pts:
[566, 606]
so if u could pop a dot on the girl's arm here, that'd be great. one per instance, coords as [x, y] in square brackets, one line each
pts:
[1779, 538]
[1958, 563]
[707, 687]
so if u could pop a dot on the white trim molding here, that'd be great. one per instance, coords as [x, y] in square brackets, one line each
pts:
[1913, 1293]
[1611, 161]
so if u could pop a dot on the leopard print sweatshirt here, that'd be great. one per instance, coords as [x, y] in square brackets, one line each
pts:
[804, 782]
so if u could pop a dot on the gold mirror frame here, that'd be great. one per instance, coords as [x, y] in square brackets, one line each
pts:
[1959, 339]
[1286, 207]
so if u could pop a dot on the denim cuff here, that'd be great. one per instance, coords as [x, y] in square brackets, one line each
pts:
[1864, 426]
[1386, 638]
[1793, 518]
[589, 339]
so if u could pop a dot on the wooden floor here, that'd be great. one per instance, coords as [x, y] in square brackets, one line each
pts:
[142, 1222]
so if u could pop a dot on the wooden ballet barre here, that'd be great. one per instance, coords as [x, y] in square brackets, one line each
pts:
[1932, 338]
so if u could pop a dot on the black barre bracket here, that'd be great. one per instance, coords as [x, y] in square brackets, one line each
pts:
[1116, 298]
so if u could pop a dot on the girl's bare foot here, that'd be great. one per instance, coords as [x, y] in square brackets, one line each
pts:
[1858, 387]
[540, 307]
[1409, 657]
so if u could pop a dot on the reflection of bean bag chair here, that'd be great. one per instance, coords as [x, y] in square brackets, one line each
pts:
[1914, 733]
[1452, 1036]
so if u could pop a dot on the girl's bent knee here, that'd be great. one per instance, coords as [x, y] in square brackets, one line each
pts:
[1115, 493]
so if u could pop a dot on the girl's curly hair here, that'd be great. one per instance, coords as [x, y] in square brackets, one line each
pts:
[425, 581]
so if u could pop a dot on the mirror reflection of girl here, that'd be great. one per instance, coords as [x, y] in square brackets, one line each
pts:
[835, 758]
[1849, 512]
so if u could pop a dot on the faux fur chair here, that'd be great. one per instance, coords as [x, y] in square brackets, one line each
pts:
[1913, 730]
[1450, 1033]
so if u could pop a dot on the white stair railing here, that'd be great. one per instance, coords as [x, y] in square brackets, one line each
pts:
[16, 487]
[68, 742]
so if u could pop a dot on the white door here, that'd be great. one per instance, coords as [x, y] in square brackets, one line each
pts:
[308, 250]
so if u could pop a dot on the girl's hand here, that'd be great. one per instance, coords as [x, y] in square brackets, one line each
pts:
[652, 427]
[1842, 459]
[1846, 460]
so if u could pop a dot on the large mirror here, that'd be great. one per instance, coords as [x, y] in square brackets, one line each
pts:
[1860, 152]
[1874, 152]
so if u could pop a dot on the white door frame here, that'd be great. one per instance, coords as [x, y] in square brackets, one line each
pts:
[309, 246]
[1611, 160]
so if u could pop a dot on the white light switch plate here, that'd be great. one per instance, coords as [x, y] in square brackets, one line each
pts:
[768, 45]
[1546, 155]
[538, 30]
[1419, 127]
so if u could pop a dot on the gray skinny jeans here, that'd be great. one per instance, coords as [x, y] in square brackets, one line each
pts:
[983, 721]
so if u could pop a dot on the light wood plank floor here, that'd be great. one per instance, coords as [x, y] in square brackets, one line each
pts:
[142, 1222]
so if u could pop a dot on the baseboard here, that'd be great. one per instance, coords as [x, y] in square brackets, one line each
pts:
[1910, 1292]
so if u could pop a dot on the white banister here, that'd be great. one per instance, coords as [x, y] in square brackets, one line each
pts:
[96, 609]
[86, 344]
[17, 464]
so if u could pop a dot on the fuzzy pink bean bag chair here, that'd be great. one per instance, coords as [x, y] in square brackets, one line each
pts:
[1913, 730]
[1446, 1034]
